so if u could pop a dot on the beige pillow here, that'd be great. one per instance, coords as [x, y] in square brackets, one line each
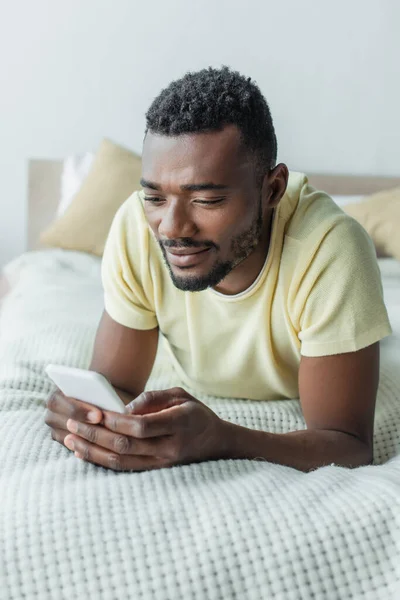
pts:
[113, 177]
[379, 214]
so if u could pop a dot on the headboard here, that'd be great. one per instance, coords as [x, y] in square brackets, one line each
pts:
[45, 178]
[44, 184]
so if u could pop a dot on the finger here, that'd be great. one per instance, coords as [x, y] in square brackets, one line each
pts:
[121, 444]
[110, 460]
[75, 409]
[59, 435]
[153, 401]
[55, 421]
[165, 422]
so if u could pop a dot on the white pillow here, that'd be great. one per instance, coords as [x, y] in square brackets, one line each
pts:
[75, 170]
[343, 200]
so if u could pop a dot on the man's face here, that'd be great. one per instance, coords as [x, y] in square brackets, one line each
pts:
[206, 231]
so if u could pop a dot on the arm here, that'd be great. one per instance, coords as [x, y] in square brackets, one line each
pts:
[337, 395]
[124, 356]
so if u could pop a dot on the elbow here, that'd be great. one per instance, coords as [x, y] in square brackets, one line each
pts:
[367, 456]
[364, 454]
[361, 456]
[350, 451]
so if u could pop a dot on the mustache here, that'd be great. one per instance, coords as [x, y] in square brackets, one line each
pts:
[186, 244]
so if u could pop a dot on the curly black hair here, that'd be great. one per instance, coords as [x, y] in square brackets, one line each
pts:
[209, 99]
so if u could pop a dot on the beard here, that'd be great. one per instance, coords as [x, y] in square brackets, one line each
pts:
[241, 247]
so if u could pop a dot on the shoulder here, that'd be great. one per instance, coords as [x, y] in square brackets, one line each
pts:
[131, 212]
[129, 227]
[317, 223]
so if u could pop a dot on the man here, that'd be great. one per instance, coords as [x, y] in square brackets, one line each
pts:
[261, 286]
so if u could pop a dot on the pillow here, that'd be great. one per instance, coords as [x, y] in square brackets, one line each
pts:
[5, 286]
[75, 170]
[379, 214]
[113, 177]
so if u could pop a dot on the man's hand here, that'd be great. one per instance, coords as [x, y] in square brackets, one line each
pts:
[60, 408]
[163, 429]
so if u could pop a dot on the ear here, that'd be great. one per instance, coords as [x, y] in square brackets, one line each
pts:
[274, 185]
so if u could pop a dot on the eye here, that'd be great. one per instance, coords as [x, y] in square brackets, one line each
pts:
[210, 201]
[152, 199]
[155, 200]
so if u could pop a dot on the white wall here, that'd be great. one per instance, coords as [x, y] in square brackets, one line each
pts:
[73, 72]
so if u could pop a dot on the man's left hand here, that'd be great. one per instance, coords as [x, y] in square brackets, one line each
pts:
[162, 429]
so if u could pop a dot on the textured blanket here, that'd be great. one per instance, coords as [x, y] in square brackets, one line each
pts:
[227, 529]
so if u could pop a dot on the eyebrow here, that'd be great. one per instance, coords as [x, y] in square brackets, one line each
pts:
[190, 187]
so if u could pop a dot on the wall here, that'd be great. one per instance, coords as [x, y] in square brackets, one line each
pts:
[73, 72]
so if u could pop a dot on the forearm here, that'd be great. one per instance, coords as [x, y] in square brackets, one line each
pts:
[303, 450]
[125, 396]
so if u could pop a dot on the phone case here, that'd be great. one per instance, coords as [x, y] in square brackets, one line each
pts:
[87, 386]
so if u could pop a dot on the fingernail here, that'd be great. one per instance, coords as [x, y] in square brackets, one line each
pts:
[72, 425]
[92, 416]
[69, 442]
[132, 406]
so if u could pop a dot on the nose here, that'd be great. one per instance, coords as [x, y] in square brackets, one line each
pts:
[176, 223]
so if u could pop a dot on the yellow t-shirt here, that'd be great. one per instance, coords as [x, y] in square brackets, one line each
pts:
[318, 293]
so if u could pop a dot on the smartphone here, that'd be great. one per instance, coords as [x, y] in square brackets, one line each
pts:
[87, 386]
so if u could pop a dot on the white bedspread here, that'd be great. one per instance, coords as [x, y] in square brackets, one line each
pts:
[228, 529]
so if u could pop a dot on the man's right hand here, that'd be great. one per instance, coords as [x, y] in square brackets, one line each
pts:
[60, 408]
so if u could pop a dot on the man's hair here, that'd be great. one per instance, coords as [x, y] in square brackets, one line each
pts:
[209, 99]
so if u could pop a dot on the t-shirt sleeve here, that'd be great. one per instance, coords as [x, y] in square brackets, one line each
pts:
[339, 300]
[126, 276]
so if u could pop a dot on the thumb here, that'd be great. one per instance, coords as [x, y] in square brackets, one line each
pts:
[153, 401]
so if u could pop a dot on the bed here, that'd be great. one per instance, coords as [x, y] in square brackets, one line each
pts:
[218, 530]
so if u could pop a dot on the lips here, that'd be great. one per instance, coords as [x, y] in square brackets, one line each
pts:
[186, 257]
[184, 251]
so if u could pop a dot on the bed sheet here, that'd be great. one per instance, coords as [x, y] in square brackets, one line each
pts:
[221, 529]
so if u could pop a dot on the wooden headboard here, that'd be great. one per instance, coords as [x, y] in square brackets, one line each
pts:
[45, 178]
[44, 185]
